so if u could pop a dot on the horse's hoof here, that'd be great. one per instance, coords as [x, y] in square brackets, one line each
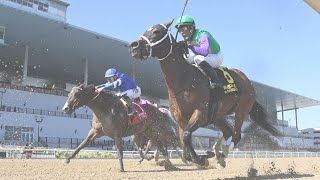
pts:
[161, 163]
[168, 166]
[222, 162]
[121, 170]
[184, 160]
[187, 157]
[203, 165]
[149, 158]
[67, 161]
[203, 161]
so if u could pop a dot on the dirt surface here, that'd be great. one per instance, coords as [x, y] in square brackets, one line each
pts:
[286, 168]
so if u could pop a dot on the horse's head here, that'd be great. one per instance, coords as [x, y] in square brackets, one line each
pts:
[78, 97]
[157, 41]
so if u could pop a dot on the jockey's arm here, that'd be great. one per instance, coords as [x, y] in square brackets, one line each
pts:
[204, 47]
[109, 86]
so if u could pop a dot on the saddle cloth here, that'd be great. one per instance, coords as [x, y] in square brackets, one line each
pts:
[226, 80]
[141, 113]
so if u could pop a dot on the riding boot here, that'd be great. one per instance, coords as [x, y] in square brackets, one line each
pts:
[211, 73]
[131, 110]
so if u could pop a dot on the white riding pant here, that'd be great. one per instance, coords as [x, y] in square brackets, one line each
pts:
[215, 60]
[131, 93]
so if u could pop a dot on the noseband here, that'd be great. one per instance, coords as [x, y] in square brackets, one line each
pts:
[152, 44]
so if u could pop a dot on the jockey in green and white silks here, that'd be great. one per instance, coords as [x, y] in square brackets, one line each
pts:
[205, 50]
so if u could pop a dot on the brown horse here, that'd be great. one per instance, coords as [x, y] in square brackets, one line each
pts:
[110, 119]
[190, 98]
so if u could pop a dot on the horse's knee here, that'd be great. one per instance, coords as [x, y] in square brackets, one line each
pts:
[236, 138]
[186, 136]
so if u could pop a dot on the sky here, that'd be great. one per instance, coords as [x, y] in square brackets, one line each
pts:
[273, 42]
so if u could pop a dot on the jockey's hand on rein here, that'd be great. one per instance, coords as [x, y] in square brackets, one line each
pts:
[182, 45]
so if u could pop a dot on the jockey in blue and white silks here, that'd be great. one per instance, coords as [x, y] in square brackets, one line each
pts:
[126, 86]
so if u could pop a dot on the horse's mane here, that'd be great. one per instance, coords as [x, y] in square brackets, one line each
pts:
[106, 98]
[191, 72]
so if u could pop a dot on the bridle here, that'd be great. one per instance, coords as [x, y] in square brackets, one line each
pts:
[152, 44]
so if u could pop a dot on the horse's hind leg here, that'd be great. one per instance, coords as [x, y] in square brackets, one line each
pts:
[92, 135]
[168, 165]
[226, 129]
[240, 115]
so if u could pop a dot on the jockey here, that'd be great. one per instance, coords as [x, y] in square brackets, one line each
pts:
[127, 87]
[205, 49]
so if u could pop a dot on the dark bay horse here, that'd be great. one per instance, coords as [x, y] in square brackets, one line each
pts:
[110, 119]
[189, 95]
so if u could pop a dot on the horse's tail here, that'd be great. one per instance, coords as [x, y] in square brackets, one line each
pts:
[264, 119]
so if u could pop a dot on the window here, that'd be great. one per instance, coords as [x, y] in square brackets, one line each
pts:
[2, 33]
[19, 133]
[42, 6]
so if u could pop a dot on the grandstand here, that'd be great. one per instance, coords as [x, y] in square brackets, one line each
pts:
[42, 57]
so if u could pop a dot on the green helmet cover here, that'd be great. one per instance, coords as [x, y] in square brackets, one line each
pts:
[185, 21]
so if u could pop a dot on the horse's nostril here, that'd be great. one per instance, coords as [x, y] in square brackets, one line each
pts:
[134, 44]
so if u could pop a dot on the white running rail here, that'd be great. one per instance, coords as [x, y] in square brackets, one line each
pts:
[17, 153]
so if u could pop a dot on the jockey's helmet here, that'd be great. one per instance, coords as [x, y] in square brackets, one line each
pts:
[111, 74]
[185, 21]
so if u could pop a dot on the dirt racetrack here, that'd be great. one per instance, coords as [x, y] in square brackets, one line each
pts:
[281, 168]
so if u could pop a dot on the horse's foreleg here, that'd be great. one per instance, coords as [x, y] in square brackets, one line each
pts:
[138, 140]
[148, 147]
[193, 124]
[186, 152]
[168, 165]
[92, 135]
[118, 141]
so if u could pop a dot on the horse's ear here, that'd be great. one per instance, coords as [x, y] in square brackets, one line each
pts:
[168, 24]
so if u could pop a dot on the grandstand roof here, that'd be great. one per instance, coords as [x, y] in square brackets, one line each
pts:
[286, 100]
[58, 50]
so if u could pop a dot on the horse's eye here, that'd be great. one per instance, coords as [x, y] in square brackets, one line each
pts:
[156, 32]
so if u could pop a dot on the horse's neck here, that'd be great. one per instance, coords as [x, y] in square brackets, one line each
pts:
[101, 107]
[177, 73]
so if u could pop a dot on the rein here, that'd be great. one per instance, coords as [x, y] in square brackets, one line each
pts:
[94, 97]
